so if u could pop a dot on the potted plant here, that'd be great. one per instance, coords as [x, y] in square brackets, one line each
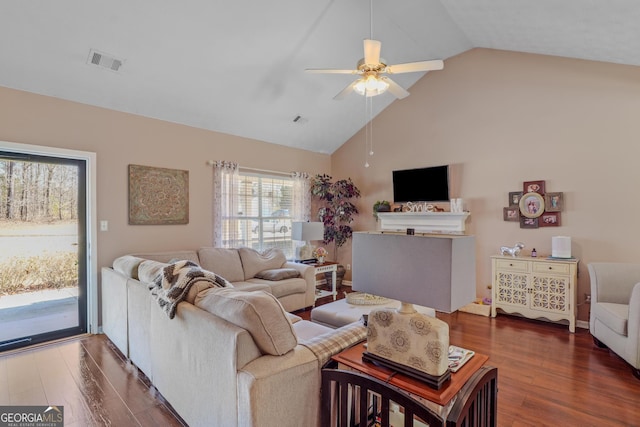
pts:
[381, 206]
[336, 212]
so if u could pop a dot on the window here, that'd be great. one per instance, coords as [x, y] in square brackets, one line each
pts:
[265, 211]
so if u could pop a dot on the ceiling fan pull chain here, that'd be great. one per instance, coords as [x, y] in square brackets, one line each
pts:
[370, 106]
[371, 19]
[366, 132]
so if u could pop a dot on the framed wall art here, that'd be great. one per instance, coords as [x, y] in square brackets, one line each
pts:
[549, 219]
[533, 187]
[531, 205]
[514, 198]
[512, 213]
[158, 196]
[553, 202]
[528, 222]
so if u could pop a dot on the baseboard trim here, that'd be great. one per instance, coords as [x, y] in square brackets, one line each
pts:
[582, 324]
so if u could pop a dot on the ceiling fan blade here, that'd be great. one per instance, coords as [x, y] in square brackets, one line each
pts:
[411, 67]
[372, 51]
[346, 91]
[395, 89]
[330, 71]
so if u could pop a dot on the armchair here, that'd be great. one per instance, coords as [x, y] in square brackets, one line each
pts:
[614, 321]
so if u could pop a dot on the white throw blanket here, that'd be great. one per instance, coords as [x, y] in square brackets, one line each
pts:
[172, 285]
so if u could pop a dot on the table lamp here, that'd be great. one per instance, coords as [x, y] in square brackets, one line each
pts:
[306, 231]
[429, 270]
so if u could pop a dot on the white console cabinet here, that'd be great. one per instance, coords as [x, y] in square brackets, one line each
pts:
[535, 287]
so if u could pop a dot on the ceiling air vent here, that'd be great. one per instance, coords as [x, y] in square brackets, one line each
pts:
[104, 60]
[300, 120]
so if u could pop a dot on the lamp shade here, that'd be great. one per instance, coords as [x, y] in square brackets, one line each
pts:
[307, 231]
[437, 271]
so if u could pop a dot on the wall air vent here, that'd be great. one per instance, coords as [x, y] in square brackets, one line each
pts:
[104, 60]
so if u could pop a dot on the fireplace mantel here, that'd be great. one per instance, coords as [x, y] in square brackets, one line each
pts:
[424, 222]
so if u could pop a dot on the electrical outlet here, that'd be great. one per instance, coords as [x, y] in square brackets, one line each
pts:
[587, 298]
[348, 267]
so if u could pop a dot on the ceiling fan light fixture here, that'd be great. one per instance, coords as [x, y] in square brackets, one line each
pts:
[370, 85]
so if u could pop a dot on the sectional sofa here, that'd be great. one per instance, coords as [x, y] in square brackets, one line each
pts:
[230, 356]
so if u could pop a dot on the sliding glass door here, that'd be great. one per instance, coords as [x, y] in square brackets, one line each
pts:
[43, 244]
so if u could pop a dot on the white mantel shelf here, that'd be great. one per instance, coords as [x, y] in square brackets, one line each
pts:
[424, 222]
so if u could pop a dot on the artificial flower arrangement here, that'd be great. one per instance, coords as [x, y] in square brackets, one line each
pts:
[320, 252]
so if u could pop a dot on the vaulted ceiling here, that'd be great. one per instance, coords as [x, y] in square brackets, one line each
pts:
[238, 66]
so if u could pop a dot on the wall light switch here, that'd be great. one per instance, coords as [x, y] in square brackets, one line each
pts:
[104, 225]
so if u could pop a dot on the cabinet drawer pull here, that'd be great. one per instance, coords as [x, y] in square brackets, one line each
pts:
[510, 265]
[550, 268]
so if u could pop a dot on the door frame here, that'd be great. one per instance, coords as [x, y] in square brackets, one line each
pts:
[91, 216]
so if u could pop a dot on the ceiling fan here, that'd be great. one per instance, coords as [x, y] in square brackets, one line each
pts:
[372, 70]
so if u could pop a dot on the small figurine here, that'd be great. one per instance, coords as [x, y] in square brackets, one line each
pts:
[514, 251]
[534, 253]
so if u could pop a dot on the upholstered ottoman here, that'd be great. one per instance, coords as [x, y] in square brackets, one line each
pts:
[339, 313]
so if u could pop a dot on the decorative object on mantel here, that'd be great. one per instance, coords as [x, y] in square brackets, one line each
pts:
[513, 251]
[423, 207]
[457, 205]
[147, 207]
[381, 206]
[532, 207]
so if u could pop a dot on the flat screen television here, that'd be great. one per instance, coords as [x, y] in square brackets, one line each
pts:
[421, 185]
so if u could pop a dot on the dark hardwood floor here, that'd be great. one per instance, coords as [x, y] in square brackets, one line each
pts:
[90, 378]
[546, 377]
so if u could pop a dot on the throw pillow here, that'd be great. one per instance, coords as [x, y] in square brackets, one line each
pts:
[254, 262]
[224, 261]
[128, 265]
[149, 270]
[258, 312]
[278, 274]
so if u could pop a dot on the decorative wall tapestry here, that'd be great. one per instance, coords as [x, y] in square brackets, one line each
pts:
[534, 208]
[158, 196]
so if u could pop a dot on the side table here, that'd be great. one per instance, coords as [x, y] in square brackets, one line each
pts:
[326, 267]
[469, 398]
[351, 358]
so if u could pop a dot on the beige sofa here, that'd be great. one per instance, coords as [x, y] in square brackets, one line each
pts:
[229, 357]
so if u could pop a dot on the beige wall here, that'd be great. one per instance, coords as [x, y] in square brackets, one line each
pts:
[121, 139]
[502, 118]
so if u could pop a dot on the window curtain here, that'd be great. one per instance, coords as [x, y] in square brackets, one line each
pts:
[301, 206]
[225, 202]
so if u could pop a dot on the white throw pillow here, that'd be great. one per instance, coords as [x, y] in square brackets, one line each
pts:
[254, 262]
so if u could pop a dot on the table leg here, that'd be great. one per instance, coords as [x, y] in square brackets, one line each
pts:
[334, 289]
